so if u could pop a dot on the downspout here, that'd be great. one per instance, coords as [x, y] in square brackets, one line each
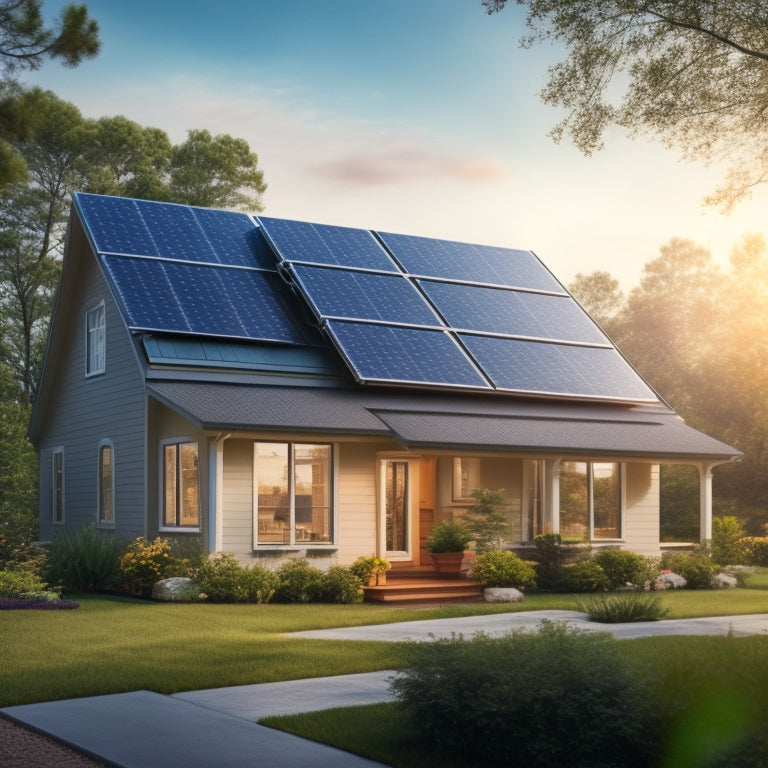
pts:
[216, 490]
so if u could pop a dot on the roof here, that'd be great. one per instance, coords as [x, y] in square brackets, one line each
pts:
[440, 421]
[269, 325]
[396, 310]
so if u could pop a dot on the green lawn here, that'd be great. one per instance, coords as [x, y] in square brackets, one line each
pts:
[113, 644]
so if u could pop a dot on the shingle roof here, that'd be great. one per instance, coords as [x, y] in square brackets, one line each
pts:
[431, 420]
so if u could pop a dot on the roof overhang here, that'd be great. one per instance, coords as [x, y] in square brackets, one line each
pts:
[428, 421]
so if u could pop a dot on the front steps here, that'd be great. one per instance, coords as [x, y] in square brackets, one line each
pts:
[424, 587]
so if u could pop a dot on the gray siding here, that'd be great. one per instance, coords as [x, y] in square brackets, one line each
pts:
[82, 411]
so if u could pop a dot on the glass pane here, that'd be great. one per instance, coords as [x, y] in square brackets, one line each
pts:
[189, 485]
[574, 501]
[170, 486]
[606, 500]
[273, 501]
[312, 492]
[397, 506]
[105, 485]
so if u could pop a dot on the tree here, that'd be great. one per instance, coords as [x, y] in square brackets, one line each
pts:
[216, 172]
[600, 295]
[25, 43]
[693, 72]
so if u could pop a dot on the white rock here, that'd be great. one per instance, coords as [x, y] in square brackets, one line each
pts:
[171, 590]
[675, 579]
[503, 595]
[724, 581]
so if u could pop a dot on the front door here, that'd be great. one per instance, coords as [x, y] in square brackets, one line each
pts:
[398, 510]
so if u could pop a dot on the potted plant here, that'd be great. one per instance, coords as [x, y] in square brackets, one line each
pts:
[446, 544]
[371, 570]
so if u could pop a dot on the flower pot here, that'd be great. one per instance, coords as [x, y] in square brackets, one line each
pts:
[372, 580]
[381, 578]
[448, 563]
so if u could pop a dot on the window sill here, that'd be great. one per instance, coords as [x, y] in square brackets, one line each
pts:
[298, 547]
[179, 530]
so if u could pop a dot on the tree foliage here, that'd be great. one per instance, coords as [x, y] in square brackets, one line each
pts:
[62, 152]
[693, 73]
[26, 42]
[696, 332]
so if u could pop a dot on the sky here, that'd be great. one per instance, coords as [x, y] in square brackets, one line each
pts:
[414, 116]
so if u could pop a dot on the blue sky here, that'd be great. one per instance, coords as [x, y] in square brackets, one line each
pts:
[414, 116]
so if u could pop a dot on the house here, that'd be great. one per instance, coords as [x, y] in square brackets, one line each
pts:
[282, 389]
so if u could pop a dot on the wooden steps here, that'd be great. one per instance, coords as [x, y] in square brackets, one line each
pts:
[419, 587]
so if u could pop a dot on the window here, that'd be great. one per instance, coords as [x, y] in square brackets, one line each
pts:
[57, 485]
[181, 508]
[95, 340]
[590, 500]
[292, 483]
[106, 485]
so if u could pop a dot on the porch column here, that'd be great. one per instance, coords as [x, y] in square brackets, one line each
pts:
[553, 511]
[215, 491]
[705, 502]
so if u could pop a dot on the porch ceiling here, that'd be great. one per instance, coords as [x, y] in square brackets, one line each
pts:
[432, 420]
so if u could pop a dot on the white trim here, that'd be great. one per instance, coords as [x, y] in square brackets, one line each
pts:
[101, 340]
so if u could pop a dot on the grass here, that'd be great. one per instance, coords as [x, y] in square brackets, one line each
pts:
[113, 644]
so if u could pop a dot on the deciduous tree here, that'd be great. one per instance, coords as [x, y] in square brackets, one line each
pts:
[693, 73]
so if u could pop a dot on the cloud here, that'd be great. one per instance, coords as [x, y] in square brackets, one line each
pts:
[403, 162]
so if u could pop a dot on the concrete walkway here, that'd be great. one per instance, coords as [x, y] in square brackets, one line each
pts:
[218, 728]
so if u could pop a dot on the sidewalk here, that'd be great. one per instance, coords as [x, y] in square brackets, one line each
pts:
[218, 728]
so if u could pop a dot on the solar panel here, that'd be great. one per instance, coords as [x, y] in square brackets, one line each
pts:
[412, 355]
[559, 369]
[364, 295]
[115, 225]
[324, 244]
[513, 313]
[177, 297]
[470, 263]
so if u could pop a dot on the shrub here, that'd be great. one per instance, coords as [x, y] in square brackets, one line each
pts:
[21, 584]
[552, 556]
[586, 576]
[696, 567]
[496, 568]
[487, 520]
[727, 534]
[448, 536]
[754, 550]
[624, 607]
[623, 567]
[552, 698]
[224, 580]
[88, 561]
[298, 582]
[147, 562]
[341, 585]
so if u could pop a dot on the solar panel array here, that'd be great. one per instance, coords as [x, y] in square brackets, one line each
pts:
[398, 309]
[185, 270]
[413, 310]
